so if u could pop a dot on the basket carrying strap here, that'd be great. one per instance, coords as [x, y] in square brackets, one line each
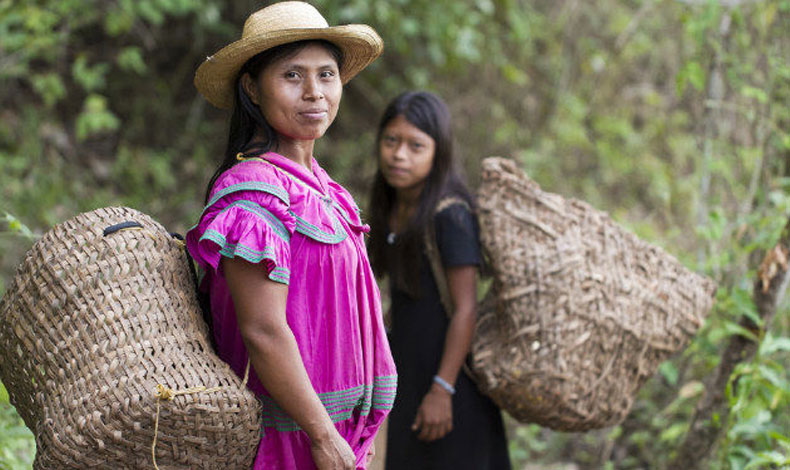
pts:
[434, 259]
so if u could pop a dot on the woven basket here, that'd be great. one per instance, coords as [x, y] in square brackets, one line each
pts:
[580, 313]
[90, 325]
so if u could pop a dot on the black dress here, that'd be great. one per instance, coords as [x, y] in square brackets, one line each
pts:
[419, 326]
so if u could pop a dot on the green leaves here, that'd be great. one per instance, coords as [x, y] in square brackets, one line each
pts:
[674, 432]
[17, 447]
[691, 74]
[95, 118]
[39, 20]
[670, 372]
[751, 92]
[50, 87]
[762, 392]
[514, 74]
[118, 21]
[90, 78]
[772, 345]
[15, 226]
[131, 59]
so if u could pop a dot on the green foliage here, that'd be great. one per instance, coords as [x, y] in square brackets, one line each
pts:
[691, 74]
[17, 227]
[95, 118]
[671, 115]
[756, 426]
[131, 59]
[50, 87]
[16, 441]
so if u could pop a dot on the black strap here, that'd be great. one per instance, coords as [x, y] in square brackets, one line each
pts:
[128, 224]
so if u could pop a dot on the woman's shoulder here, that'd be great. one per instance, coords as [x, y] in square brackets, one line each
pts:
[251, 175]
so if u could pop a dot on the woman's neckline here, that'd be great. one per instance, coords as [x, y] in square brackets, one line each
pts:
[313, 177]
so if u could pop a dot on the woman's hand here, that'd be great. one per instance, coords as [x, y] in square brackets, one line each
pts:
[333, 453]
[435, 415]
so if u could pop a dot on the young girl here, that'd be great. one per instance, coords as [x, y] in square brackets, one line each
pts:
[440, 420]
[291, 290]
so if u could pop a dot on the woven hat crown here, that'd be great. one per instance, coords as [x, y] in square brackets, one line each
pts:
[279, 24]
[283, 15]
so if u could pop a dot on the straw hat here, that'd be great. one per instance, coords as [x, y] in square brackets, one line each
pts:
[278, 24]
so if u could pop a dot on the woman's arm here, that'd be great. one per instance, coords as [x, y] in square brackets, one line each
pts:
[434, 417]
[260, 310]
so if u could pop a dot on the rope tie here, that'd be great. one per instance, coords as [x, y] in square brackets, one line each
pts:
[163, 392]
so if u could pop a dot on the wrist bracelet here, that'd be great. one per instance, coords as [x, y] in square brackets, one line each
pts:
[443, 383]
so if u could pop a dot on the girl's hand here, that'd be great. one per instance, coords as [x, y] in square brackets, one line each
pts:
[333, 453]
[435, 415]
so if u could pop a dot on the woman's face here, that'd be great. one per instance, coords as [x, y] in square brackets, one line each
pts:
[298, 95]
[405, 154]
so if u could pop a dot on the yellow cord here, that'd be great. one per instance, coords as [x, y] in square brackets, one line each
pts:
[246, 375]
[162, 392]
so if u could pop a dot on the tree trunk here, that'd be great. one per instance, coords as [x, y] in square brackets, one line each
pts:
[768, 288]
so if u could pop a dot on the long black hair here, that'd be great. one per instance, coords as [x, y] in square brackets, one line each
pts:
[249, 132]
[430, 114]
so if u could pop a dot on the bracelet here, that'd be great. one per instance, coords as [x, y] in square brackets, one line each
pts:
[444, 384]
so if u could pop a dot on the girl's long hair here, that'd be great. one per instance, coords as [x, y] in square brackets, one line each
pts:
[249, 132]
[430, 114]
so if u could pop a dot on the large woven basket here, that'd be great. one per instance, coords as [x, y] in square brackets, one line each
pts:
[581, 312]
[90, 325]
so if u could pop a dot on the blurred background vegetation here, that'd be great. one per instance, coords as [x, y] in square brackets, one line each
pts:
[671, 115]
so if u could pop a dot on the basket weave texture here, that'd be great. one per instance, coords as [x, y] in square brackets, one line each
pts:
[580, 313]
[90, 325]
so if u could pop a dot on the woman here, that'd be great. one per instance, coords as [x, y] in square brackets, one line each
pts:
[291, 291]
[440, 420]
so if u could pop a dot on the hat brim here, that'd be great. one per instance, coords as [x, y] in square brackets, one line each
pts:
[216, 76]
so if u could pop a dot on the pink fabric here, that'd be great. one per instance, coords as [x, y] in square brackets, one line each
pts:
[306, 231]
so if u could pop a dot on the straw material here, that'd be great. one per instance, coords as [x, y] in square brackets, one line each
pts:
[90, 325]
[278, 24]
[581, 312]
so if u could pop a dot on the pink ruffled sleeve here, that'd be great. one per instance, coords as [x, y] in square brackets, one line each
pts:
[247, 216]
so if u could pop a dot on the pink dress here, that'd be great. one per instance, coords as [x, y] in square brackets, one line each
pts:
[305, 231]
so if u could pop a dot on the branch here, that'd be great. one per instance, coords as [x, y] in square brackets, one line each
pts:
[715, 93]
[768, 288]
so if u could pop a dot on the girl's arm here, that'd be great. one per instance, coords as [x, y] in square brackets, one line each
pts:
[434, 417]
[260, 310]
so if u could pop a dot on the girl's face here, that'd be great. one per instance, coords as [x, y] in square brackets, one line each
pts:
[405, 154]
[298, 95]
